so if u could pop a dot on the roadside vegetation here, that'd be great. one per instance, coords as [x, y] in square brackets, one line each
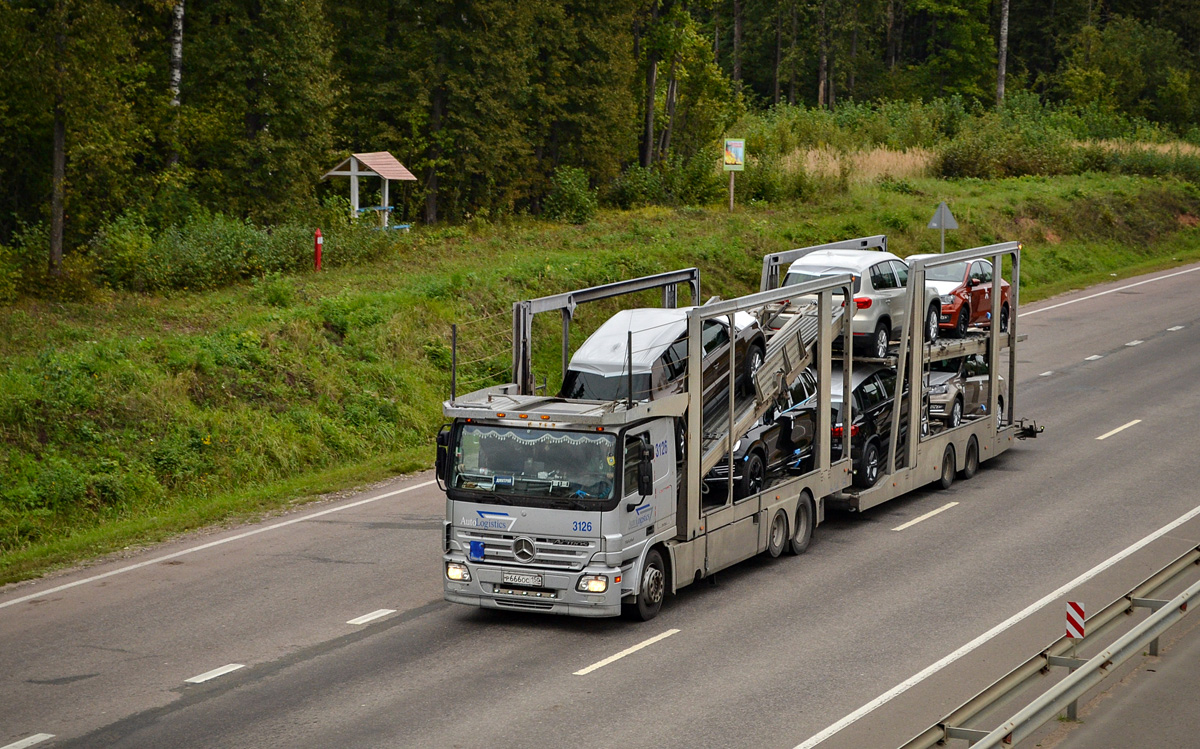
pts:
[126, 416]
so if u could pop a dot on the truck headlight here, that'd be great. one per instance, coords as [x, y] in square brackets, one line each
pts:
[458, 572]
[592, 584]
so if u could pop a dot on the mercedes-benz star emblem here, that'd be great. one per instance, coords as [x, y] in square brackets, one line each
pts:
[523, 549]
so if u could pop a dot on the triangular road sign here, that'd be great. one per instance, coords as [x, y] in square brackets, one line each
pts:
[942, 218]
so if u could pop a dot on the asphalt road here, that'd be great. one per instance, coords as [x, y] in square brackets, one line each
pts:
[772, 655]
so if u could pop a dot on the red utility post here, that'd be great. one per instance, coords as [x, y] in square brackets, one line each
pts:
[319, 241]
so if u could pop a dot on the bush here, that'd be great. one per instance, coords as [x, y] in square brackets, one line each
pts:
[636, 187]
[571, 199]
[994, 148]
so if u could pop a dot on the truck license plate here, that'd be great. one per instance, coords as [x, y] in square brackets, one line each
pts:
[522, 578]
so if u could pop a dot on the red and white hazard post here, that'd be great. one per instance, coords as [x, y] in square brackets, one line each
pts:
[318, 245]
[1075, 618]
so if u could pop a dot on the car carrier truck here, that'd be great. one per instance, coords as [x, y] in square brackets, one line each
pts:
[594, 508]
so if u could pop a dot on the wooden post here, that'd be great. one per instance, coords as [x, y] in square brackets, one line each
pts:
[731, 191]
[353, 188]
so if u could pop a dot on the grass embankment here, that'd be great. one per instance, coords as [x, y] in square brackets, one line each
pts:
[137, 416]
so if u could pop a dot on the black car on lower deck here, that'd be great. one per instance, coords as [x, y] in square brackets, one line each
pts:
[780, 444]
[873, 389]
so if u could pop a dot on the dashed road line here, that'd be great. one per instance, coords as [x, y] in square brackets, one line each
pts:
[209, 545]
[1135, 342]
[1109, 291]
[372, 616]
[625, 652]
[1046, 374]
[1174, 328]
[1123, 427]
[37, 738]
[1094, 357]
[1033, 608]
[926, 516]
[208, 675]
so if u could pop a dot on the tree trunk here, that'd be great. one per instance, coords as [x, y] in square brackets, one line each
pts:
[176, 77]
[59, 150]
[664, 144]
[853, 51]
[823, 59]
[891, 34]
[647, 155]
[737, 43]
[1000, 68]
[792, 59]
[716, 34]
[778, 49]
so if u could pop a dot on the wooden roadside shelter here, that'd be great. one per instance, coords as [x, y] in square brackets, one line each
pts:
[379, 164]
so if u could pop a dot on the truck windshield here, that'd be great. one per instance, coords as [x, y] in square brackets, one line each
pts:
[534, 466]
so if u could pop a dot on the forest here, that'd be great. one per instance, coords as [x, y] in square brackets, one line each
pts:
[125, 122]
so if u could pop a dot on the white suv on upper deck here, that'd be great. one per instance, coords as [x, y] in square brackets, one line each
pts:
[880, 294]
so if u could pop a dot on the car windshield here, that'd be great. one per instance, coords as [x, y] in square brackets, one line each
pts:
[797, 277]
[952, 272]
[591, 386]
[515, 464]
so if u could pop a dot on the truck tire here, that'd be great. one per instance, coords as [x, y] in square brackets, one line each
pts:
[777, 535]
[947, 478]
[971, 463]
[802, 535]
[651, 591]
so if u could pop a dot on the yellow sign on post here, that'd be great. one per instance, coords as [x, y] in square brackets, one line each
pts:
[735, 161]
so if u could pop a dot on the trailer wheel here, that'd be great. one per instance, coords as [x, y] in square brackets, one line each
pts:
[777, 536]
[971, 464]
[947, 468]
[652, 590]
[802, 536]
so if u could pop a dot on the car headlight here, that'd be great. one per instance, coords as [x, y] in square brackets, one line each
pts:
[457, 572]
[737, 445]
[592, 584]
[947, 298]
[939, 390]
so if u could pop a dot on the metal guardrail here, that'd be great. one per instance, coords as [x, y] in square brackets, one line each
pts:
[1085, 674]
[1070, 689]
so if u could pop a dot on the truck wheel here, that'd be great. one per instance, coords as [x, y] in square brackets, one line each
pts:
[947, 478]
[964, 319]
[777, 536]
[931, 323]
[802, 537]
[956, 413]
[971, 464]
[866, 478]
[652, 590]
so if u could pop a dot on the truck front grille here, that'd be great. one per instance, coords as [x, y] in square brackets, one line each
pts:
[550, 553]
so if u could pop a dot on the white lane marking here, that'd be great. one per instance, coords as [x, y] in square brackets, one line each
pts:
[1094, 357]
[1110, 291]
[1033, 608]
[214, 673]
[625, 652]
[1046, 374]
[1106, 435]
[1174, 328]
[37, 738]
[1135, 342]
[211, 544]
[372, 616]
[926, 516]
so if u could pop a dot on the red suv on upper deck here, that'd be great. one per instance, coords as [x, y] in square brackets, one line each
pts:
[965, 288]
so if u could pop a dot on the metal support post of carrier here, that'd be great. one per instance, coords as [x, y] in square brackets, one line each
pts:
[683, 441]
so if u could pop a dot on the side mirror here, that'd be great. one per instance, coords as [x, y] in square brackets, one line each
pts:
[646, 471]
[442, 461]
[972, 282]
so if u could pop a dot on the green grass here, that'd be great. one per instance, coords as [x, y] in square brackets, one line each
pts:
[133, 417]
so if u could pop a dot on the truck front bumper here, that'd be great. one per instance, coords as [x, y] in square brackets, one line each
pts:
[557, 594]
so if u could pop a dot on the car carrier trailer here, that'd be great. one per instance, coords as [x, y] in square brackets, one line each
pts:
[527, 528]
